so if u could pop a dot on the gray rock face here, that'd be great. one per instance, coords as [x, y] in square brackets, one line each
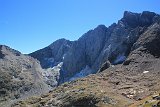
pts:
[139, 19]
[119, 85]
[21, 75]
[97, 46]
[85, 51]
[53, 54]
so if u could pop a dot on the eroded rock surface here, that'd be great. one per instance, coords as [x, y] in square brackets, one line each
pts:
[118, 85]
[97, 46]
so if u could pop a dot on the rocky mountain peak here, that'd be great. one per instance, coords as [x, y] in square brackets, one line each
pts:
[92, 49]
[58, 42]
[53, 54]
[101, 26]
[145, 18]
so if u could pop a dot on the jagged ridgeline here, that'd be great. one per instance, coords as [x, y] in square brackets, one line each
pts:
[119, 65]
[87, 54]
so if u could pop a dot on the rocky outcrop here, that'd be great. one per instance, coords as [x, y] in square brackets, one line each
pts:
[139, 19]
[97, 46]
[105, 65]
[21, 76]
[121, 85]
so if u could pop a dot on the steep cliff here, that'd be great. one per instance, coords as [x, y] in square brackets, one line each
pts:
[136, 80]
[89, 52]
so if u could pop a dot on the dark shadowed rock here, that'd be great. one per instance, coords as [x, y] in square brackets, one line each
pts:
[145, 18]
[106, 65]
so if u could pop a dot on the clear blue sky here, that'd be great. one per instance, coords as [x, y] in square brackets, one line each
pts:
[28, 25]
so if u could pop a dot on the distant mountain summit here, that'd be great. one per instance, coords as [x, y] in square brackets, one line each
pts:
[87, 54]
